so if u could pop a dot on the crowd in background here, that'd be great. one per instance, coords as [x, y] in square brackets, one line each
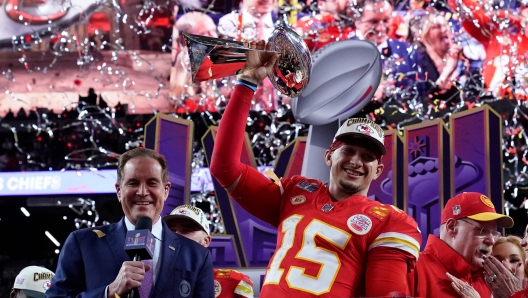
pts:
[435, 64]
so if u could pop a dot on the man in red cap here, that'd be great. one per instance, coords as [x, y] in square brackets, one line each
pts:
[467, 234]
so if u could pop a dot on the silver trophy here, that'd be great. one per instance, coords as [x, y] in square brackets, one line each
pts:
[214, 58]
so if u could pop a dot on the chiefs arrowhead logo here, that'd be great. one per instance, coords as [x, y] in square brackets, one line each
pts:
[365, 129]
[297, 200]
[46, 285]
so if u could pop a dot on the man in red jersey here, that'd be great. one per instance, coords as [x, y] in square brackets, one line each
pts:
[506, 46]
[332, 240]
[467, 234]
[191, 222]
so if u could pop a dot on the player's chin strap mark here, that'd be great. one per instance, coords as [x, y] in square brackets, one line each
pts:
[275, 179]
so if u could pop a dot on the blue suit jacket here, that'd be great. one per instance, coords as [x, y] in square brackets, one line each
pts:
[90, 261]
[401, 49]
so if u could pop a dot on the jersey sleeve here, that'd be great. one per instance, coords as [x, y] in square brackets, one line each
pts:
[258, 195]
[399, 231]
[244, 288]
[386, 273]
[397, 242]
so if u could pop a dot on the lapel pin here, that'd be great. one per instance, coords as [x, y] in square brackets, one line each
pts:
[172, 247]
[99, 233]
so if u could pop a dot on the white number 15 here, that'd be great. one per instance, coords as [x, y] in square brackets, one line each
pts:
[327, 259]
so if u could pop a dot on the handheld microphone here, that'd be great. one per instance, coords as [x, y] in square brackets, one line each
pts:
[139, 244]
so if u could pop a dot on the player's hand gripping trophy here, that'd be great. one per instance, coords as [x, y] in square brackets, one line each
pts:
[213, 58]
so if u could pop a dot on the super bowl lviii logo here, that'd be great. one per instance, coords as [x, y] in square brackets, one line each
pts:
[138, 239]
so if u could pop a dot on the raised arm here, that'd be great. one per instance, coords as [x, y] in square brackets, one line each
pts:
[480, 23]
[257, 194]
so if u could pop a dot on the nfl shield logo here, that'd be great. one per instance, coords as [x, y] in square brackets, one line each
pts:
[456, 210]
[327, 207]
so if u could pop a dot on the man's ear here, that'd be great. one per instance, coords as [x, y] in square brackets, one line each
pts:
[207, 241]
[118, 191]
[328, 158]
[451, 227]
[379, 170]
[167, 188]
[13, 293]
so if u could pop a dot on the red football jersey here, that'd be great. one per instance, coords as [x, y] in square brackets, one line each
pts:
[230, 283]
[322, 245]
[506, 46]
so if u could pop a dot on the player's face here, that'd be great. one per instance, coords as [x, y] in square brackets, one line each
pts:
[375, 21]
[510, 255]
[352, 169]
[190, 229]
[469, 242]
[142, 191]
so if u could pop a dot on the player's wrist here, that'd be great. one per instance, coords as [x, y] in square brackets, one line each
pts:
[248, 78]
[245, 82]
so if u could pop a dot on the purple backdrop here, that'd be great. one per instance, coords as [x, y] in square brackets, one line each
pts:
[423, 169]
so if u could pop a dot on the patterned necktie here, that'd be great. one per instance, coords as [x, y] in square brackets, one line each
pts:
[146, 285]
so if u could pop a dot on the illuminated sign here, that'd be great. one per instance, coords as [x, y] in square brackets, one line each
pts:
[80, 182]
[57, 182]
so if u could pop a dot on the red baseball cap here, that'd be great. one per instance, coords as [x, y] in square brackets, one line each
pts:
[475, 206]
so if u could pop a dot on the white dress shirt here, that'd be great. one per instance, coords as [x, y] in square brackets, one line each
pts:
[157, 229]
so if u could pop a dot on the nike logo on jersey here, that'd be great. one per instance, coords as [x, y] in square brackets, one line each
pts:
[309, 187]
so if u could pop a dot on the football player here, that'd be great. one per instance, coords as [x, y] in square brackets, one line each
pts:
[332, 240]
